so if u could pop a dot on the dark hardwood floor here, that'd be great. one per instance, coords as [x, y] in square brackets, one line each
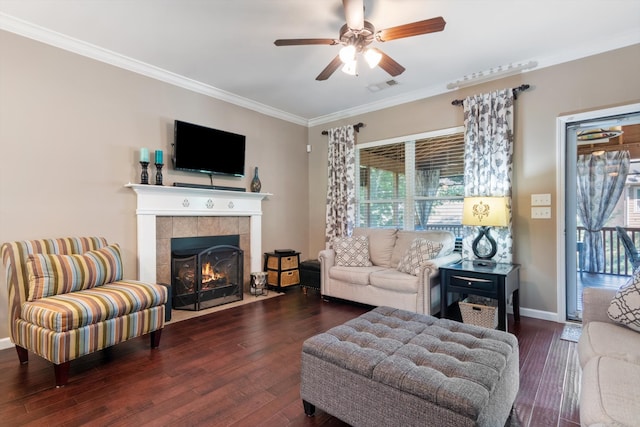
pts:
[240, 367]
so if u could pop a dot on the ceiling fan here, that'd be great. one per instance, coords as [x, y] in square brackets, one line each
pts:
[356, 36]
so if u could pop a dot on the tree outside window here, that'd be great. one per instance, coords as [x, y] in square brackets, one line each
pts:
[414, 184]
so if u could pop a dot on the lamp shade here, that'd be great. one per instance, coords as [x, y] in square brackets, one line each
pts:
[485, 211]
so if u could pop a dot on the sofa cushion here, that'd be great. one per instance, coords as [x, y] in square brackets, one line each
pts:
[352, 251]
[353, 275]
[609, 393]
[419, 252]
[608, 339]
[53, 274]
[381, 243]
[405, 238]
[625, 306]
[75, 310]
[394, 280]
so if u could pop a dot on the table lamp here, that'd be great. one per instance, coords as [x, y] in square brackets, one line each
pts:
[485, 212]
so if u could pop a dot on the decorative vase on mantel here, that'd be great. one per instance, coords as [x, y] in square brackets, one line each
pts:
[256, 185]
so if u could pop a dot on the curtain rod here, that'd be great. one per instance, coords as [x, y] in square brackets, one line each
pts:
[356, 127]
[515, 94]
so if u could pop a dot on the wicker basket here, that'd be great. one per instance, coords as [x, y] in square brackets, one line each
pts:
[479, 311]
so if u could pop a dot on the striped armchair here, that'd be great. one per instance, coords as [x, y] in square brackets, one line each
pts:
[67, 299]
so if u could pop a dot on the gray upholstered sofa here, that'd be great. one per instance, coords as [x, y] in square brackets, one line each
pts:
[610, 359]
[381, 283]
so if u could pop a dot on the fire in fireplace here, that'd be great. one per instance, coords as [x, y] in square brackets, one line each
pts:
[204, 278]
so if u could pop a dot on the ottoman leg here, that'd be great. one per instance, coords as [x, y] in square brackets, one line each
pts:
[309, 409]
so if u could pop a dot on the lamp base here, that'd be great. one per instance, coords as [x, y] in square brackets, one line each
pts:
[484, 258]
[486, 263]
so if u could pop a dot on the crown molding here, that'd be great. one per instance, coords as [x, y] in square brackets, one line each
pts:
[393, 101]
[35, 32]
[627, 39]
[38, 33]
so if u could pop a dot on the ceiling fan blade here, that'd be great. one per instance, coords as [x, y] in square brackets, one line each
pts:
[409, 30]
[389, 65]
[330, 69]
[298, 42]
[354, 13]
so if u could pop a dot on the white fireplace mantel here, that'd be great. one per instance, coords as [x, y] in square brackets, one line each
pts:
[158, 200]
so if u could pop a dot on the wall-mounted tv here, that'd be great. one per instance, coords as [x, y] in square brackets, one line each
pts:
[211, 151]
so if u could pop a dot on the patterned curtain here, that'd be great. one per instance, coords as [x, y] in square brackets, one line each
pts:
[488, 160]
[341, 188]
[427, 182]
[601, 181]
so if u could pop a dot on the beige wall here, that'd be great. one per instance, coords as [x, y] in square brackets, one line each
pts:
[596, 82]
[70, 133]
[71, 129]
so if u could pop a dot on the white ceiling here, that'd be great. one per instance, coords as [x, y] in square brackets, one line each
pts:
[225, 47]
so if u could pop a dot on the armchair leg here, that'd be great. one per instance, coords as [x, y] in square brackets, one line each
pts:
[155, 338]
[62, 373]
[23, 355]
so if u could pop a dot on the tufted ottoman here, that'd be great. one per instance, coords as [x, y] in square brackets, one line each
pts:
[392, 367]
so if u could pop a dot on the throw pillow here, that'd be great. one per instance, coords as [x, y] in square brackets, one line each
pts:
[109, 264]
[625, 306]
[419, 251]
[352, 251]
[54, 274]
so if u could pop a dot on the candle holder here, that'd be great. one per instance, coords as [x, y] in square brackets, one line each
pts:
[159, 173]
[144, 175]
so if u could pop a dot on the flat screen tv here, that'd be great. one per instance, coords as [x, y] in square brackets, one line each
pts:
[211, 151]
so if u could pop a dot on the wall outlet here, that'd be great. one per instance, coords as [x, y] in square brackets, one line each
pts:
[541, 212]
[541, 200]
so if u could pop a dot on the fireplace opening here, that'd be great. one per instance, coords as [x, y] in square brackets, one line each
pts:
[205, 277]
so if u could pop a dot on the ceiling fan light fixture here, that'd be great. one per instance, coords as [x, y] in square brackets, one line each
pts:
[350, 67]
[357, 34]
[373, 57]
[348, 54]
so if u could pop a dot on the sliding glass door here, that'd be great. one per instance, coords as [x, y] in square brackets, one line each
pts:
[602, 190]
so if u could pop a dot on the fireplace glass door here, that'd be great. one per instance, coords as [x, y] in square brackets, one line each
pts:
[207, 278]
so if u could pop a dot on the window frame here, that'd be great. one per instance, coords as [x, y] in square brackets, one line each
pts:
[409, 200]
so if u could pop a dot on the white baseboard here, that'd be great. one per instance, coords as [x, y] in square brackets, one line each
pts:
[539, 314]
[5, 343]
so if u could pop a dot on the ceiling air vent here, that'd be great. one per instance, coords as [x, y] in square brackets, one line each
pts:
[377, 87]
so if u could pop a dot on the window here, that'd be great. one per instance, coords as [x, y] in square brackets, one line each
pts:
[414, 183]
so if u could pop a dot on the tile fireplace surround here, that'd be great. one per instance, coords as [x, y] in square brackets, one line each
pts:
[164, 212]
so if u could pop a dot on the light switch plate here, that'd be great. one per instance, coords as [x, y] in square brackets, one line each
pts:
[543, 212]
[541, 199]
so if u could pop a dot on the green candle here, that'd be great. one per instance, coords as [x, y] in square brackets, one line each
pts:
[144, 155]
[159, 157]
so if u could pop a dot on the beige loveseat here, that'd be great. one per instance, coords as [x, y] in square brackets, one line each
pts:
[610, 359]
[381, 283]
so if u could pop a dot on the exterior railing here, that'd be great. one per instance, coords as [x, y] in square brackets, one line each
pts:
[616, 261]
[615, 258]
[455, 229]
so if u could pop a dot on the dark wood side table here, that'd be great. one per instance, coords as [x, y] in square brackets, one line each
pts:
[493, 282]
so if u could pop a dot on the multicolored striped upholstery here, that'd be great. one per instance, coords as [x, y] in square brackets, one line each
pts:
[74, 310]
[60, 347]
[55, 274]
[63, 327]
